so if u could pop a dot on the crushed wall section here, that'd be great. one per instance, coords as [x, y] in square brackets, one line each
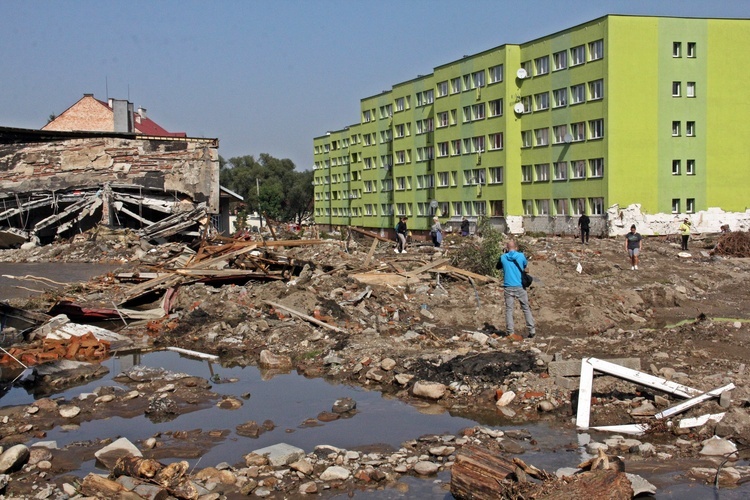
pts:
[45, 162]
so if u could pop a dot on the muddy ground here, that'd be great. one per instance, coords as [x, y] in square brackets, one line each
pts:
[686, 318]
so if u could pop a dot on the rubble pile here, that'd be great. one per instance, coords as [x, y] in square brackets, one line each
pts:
[415, 326]
[735, 244]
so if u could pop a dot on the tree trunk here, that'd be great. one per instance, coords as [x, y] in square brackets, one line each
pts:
[97, 486]
[477, 474]
[136, 467]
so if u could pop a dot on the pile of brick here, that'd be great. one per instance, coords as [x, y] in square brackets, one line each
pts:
[84, 348]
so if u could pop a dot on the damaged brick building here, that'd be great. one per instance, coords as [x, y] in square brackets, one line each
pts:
[102, 163]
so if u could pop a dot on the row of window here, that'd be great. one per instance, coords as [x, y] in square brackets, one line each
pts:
[562, 97]
[677, 128]
[565, 133]
[677, 89]
[564, 59]
[689, 205]
[563, 206]
[677, 49]
[563, 170]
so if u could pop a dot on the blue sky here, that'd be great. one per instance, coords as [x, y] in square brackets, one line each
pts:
[264, 76]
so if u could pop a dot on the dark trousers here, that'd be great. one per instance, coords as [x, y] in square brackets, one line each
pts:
[685, 238]
[584, 235]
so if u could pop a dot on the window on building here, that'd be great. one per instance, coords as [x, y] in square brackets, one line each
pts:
[690, 167]
[577, 94]
[675, 205]
[369, 209]
[526, 173]
[561, 170]
[496, 73]
[399, 104]
[596, 50]
[467, 114]
[386, 185]
[477, 111]
[496, 107]
[560, 97]
[442, 149]
[496, 141]
[480, 208]
[541, 101]
[477, 79]
[400, 183]
[467, 82]
[561, 206]
[542, 207]
[690, 129]
[675, 129]
[442, 89]
[559, 132]
[457, 208]
[596, 167]
[386, 161]
[691, 49]
[596, 129]
[526, 101]
[528, 207]
[560, 60]
[526, 138]
[367, 163]
[497, 208]
[526, 66]
[676, 49]
[399, 130]
[690, 206]
[442, 179]
[442, 119]
[541, 136]
[676, 89]
[386, 209]
[401, 209]
[477, 144]
[366, 116]
[676, 167]
[455, 85]
[578, 131]
[578, 169]
[456, 147]
[577, 55]
[597, 206]
[542, 172]
[385, 136]
[596, 90]
[496, 175]
[400, 157]
[690, 89]
[541, 65]
[578, 205]
[368, 187]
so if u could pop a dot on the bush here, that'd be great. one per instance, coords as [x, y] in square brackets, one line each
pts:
[479, 255]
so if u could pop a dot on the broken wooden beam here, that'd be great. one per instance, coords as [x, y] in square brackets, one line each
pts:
[305, 317]
[371, 234]
[477, 474]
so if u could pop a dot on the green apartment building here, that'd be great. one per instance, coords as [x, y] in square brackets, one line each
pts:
[615, 111]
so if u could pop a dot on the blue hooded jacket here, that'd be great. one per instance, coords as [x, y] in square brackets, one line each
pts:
[511, 273]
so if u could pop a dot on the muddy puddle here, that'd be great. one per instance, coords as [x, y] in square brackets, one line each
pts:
[292, 401]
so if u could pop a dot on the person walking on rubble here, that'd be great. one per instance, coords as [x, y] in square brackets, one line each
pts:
[511, 262]
[685, 233]
[633, 245]
[401, 232]
[465, 227]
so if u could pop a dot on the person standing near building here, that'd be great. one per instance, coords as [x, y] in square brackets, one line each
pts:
[583, 227]
[436, 232]
[633, 245]
[401, 231]
[685, 233]
[511, 262]
[465, 227]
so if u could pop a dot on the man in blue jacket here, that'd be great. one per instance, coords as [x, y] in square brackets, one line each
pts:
[513, 288]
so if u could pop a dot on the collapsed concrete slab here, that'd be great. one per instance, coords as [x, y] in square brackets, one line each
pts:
[56, 184]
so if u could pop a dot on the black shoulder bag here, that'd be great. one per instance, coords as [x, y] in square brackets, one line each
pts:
[526, 278]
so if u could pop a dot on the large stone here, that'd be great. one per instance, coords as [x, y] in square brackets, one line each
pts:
[335, 473]
[344, 405]
[110, 454]
[280, 454]
[426, 468]
[273, 361]
[640, 485]
[717, 446]
[429, 390]
[14, 458]
[505, 399]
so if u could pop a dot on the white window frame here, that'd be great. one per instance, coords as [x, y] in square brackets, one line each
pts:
[562, 206]
[676, 89]
[560, 97]
[443, 179]
[577, 55]
[690, 89]
[596, 50]
[596, 205]
[596, 168]
[478, 79]
[596, 129]
[675, 205]
[676, 49]
[690, 129]
[455, 84]
[480, 208]
[690, 167]
[442, 149]
[496, 175]
[442, 119]
[399, 104]
[596, 90]
[676, 167]
[442, 89]
[526, 138]
[496, 141]
[496, 74]
[526, 101]
[689, 205]
[676, 128]
[577, 94]
[542, 206]
[559, 132]
[541, 172]
[578, 131]
[457, 208]
[541, 137]
[528, 207]
[455, 147]
[527, 173]
[578, 169]
[477, 111]
[560, 171]
[541, 66]
[560, 60]
[495, 107]
[541, 101]
[691, 50]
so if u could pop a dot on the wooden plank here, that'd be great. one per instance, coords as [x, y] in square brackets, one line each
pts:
[693, 401]
[479, 277]
[428, 266]
[370, 253]
[584, 395]
[371, 234]
[477, 474]
[641, 378]
[305, 317]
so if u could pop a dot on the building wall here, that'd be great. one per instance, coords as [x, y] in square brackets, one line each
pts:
[33, 161]
[616, 146]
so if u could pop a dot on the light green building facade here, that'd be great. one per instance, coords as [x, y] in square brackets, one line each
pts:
[619, 110]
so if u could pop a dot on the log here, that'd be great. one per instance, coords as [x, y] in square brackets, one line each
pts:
[600, 484]
[136, 467]
[477, 474]
[97, 486]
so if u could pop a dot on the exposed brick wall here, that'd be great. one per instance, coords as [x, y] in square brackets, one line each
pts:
[86, 114]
